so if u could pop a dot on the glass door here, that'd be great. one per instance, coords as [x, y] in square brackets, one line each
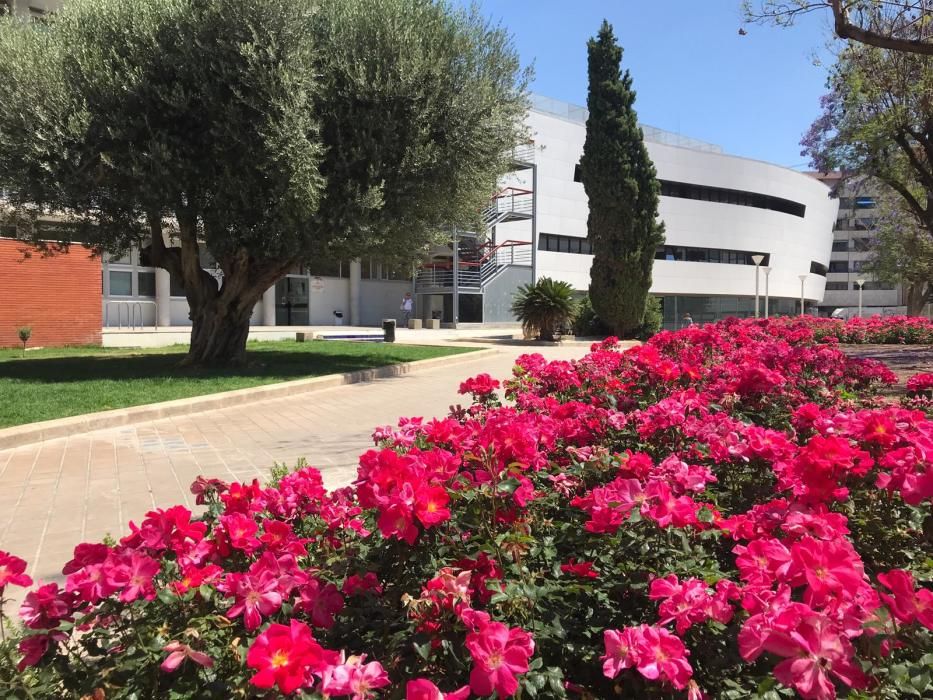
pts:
[291, 301]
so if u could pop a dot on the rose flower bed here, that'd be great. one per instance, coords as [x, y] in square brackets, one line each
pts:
[728, 511]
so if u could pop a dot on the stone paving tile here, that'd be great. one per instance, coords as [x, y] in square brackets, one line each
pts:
[58, 493]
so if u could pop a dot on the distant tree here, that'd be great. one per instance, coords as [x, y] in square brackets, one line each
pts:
[897, 25]
[623, 190]
[902, 252]
[270, 132]
[877, 121]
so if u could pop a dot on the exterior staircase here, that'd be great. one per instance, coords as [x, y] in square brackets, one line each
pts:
[478, 264]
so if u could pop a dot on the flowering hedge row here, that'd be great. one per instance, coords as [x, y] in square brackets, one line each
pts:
[904, 330]
[726, 511]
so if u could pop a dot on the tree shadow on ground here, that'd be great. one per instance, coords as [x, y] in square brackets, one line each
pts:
[283, 365]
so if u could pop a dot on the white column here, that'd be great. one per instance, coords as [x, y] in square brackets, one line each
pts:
[355, 291]
[268, 306]
[163, 298]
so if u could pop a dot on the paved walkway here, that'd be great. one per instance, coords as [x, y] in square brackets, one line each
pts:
[58, 493]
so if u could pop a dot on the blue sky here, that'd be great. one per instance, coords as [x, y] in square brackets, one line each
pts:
[753, 95]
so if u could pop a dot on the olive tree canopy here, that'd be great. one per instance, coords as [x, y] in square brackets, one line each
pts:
[272, 132]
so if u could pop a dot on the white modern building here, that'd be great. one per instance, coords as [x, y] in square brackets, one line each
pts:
[720, 211]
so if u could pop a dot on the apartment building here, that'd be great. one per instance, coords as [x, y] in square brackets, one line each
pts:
[851, 249]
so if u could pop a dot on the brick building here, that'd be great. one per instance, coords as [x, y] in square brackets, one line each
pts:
[58, 296]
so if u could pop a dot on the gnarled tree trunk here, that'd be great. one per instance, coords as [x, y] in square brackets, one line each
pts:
[219, 310]
[219, 331]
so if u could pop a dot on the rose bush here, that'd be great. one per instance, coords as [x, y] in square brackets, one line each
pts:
[905, 330]
[727, 511]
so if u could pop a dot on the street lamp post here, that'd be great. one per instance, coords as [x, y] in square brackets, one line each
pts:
[757, 259]
[803, 278]
[860, 282]
[767, 271]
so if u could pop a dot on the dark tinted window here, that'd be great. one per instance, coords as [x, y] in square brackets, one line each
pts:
[874, 285]
[709, 255]
[686, 190]
[839, 266]
[555, 243]
[817, 268]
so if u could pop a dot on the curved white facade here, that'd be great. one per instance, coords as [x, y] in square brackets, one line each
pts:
[793, 243]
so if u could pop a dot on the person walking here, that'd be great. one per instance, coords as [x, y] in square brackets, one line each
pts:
[688, 320]
[407, 307]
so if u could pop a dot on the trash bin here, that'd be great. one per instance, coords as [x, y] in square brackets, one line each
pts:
[388, 330]
[338, 318]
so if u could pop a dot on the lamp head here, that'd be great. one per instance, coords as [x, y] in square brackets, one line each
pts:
[860, 282]
[766, 270]
[802, 278]
[758, 259]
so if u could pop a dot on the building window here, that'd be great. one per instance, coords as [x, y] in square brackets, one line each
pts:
[837, 286]
[838, 266]
[555, 243]
[864, 202]
[876, 286]
[721, 195]
[145, 281]
[323, 268]
[709, 255]
[817, 268]
[862, 244]
[840, 246]
[176, 286]
[121, 283]
[578, 173]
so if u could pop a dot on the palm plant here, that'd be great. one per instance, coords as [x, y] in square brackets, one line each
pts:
[544, 306]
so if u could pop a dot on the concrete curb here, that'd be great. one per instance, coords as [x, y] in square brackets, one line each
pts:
[20, 435]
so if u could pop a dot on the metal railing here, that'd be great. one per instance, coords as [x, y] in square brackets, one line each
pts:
[477, 273]
[134, 313]
[524, 153]
[510, 202]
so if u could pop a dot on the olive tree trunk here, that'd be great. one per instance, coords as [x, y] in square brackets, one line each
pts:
[219, 309]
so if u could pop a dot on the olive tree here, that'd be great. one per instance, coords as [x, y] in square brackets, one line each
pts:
[271, 132]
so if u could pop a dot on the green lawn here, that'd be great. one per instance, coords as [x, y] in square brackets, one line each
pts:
[61, 382]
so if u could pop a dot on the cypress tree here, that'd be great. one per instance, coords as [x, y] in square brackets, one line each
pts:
[623, 191]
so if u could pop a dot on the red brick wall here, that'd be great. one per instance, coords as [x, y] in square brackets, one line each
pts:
[58, 296]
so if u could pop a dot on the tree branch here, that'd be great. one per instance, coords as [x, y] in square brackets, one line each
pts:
[846, 30]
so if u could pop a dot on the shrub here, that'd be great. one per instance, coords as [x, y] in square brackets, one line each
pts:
[727, 508]
[24, 333]
[586, 323]
[544, 307]
[653, 318]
